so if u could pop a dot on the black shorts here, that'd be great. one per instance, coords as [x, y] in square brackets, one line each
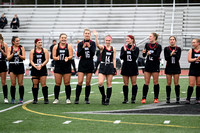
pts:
[17, 68]
[129, 69]
[152, 67]
[106, 69]
[39, 73]
[86, 66]
[195, 73]
[3, 66]
[172, 71]
[64, 68]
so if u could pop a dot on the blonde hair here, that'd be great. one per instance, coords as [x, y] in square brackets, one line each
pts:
[86, 29]
[62, 34]
[1, 38]
[155, 35]
[198, 40]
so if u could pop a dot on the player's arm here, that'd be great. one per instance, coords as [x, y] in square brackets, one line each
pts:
[55, 52]
[70, 52]
[190, 59]
[9, 54]
[31, 58]
[114, 58]
[100, 47]
[23, 53]
[46, 57]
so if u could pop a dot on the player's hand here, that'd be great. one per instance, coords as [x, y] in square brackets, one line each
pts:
[66, 59]
[18, 53]
[173, 52]
[144, 51]
[95, 33]
[85, 44]
[88, 44]
[58, 58]
[115, 71]
[124, 47]
[148, 53]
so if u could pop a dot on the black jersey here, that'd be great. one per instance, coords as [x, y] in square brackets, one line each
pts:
[129, 57]
[195, 66]
[86, 64]
[172, 65]
[38, 59]
[106, 66]
[3, 65]
[61, 66]
[16, 63]
[153, 60]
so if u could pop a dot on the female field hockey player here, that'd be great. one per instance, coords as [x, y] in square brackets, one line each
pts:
[194, 71]
[15, 56]
[107, 66]
[39, 57]
[129, 54]
[62, 54]
[86, 51]
[152, 67]
[172, 55]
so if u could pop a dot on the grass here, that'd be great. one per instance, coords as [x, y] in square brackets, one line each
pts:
[49, 118]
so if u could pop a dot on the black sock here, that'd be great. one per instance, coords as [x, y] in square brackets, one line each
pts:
[5, 91]
[168, 92]
[87, 91]
[125, 91]
[156, 91]
[35, 93]
[198, 93]
[78, 91]
[102, 91]
[189, 92]
[68, 91]
[177, 91]
[12, 92]
[56, 91]
[21, 92]
[45, 92]
[145, 91]
[109, 92]
[134, 91]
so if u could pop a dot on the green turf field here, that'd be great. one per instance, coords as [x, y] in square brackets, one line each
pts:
[40, 118]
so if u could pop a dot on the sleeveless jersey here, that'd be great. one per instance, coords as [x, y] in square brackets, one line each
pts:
[107, 55]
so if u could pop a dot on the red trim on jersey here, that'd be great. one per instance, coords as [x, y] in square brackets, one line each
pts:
[38, 52]
[101, 56]
[107, 49]
[63, 47]
[133, 47]
[156, 44]
[14, 50]
[196, 51]
[84, 42]
[171, 49]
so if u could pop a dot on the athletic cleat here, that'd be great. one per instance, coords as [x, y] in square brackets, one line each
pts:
[133, 101]
[156, 100]
[187, 102]
[76, 101]
[56, 101]
[20, 101]
[197, 101]
[68, 101]
[34, 102]
[12, 101]
[143, 101]
[178, 100]
[6, 100]
[46, 101]
[168, 101]
[125, 101]
[107, 101]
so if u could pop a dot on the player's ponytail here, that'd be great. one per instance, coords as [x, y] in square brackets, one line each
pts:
[155, 35]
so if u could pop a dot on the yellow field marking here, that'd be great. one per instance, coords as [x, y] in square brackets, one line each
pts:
[105, 121]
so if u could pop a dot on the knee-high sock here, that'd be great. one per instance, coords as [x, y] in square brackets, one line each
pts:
[45, 92]
[145, 91]
[21, 92]
[168, 91]
[68, 91]
[177, 90]
[134, 91]
[156, 91]
[56, 91]
[189, 92]
[125, 91]
[87, 91]
[12, 92]
[102, 91]
[109, 92]
[78, 91]
[198, 93]
[35, 93]
[5, 91]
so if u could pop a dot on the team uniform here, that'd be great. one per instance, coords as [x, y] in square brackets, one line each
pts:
[153, 60]
[152, 65]
[3, 69]
[86, 65]
[172, 67]
[106, 64]
[129, 68]
[61, 66]
[129, 57]
[38, 59]
[194, 70]
[16, 63]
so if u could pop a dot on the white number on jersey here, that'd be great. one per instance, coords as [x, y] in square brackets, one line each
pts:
[0, 54]
[39, 61]
[87, 54]
[173, 60]
[107, 60]
[129, 58]
[16, 59]
[62, 56]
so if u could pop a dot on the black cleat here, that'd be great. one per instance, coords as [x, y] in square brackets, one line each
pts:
[187, 102]
[76, 101]
[34, 102]
[197, 102]
[168, 101]
[87, 101]
[177, 100]
[125, 101]
[103, 101]
[46, 101]
[107, 101]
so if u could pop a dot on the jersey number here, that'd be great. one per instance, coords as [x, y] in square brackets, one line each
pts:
[87, 54]
[107, 61]
[39, 61]
[0, 55]
[129, 58]
[16, 59]
[173, 60]
[62, 56]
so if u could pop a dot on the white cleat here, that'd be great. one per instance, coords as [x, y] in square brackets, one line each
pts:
[6, 100]
[55, 101]
[68, 101]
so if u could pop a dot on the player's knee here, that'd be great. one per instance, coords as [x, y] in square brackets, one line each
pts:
[192, 84]
[169, 83]
[125, 83]
[87, 83]
[100, 83]
[3, 82]
[155, 82]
